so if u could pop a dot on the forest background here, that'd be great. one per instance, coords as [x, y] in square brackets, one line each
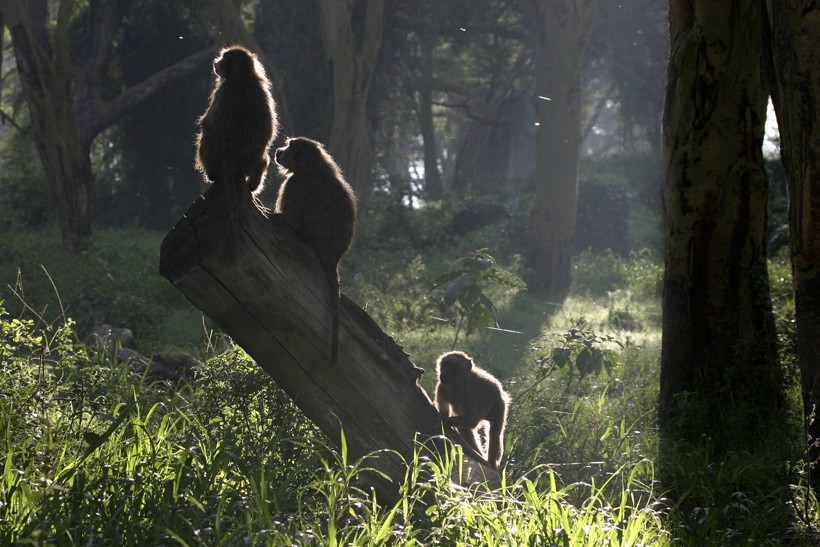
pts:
[522, 137]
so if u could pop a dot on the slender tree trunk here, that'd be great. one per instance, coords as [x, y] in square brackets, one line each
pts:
[433, 188]
[718, 328]
[796, 97]
[352, 60]
[562, 31]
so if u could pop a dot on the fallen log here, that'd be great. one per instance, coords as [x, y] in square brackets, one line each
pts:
[270, 297]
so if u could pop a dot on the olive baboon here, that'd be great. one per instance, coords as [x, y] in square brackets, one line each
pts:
[320, 207]
[238, 127]
[467, 395]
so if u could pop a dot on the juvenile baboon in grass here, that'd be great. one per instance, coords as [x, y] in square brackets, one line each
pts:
[239, 126]
[319, 206]
[467, 395]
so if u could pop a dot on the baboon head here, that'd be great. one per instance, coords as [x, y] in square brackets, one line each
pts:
[236, 62]
[453, 365]
[300, 155]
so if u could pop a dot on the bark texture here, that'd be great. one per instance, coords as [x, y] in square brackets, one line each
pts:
[46, 73]
[352, 56]
[274, 302]
[796, 97]
[718, 328]
[562, 31]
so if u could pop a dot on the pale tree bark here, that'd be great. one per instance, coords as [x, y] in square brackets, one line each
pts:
[562, 32]
[352, 60]
[231, 29]
[66, 108]
[796, 97]
[718, 329]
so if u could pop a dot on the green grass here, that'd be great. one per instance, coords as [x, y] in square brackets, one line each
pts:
[93, 452]
[117, 283]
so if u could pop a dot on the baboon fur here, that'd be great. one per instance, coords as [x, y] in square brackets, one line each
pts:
[240, 124]
[466, 396]
[319, 206]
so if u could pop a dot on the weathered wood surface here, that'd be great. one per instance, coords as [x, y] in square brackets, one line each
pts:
[274, 303]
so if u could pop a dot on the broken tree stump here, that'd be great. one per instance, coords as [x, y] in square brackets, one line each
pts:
[273, 301]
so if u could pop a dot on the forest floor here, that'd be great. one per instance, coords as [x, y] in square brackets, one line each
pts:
[98, 452]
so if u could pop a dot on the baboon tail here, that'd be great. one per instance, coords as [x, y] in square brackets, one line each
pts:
[333, 282]
[234, 187]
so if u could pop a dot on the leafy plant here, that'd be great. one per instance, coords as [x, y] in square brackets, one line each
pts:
[463, 290]
[580, 352]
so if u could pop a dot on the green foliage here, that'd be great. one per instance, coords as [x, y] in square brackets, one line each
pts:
[732, 466]
[463, 290]
[107, 457]
[600, 274]
[597, 422]
[636, 176]
[24, 198]
[116, 283]
[144, 164]
[94, 453]
[579, 351]
[91, 450]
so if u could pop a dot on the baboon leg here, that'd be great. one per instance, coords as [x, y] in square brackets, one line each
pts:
[495, 436]
[463, 421]
[469, 436]
[256, 175]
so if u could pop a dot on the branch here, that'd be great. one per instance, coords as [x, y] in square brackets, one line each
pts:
[6, 118]
[91, 121]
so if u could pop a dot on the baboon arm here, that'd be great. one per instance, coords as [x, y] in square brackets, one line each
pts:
[495, 435]
[469, 421]
[442, 404]
[470, 437]
[443, 409]
[495, 438]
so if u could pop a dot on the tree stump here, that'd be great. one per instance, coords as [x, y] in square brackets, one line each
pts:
[273, 301]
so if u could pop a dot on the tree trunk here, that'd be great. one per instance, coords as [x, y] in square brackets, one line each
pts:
[68, 113]
[562, 31]
[796, 50]
[718, 329]
[46, 75]
[433, 187]
[352, 60]
[274, 302]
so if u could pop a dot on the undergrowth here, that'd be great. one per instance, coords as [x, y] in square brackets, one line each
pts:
[94, 452]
